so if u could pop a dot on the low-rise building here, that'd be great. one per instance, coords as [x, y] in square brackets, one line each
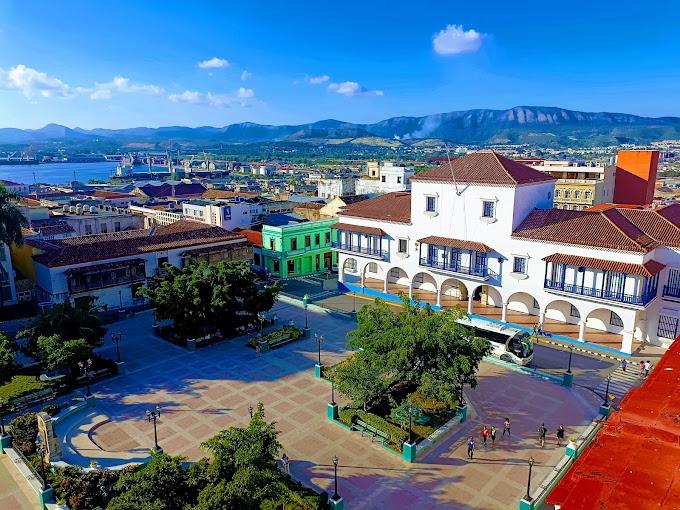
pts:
[335, 186]
[158, 213]
[112, 267]
[293, 246]
[170, 190]
[8, 293]
[578, 185]
[92, 217]
[228, 214]
[16, 187]
[386, 178]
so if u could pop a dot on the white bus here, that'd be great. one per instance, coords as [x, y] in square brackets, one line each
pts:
[509, 344]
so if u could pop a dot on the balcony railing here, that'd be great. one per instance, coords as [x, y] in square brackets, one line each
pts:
[671, 291]
[620, 297]
[363, 250]
[108, 282]
[474, 270]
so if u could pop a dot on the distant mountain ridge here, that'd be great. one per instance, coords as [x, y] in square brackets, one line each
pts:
[521, 124]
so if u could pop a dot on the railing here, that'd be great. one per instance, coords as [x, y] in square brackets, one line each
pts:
[101, 284]
[373, 252]
[607, 294]
[475, 270]
[671, 291]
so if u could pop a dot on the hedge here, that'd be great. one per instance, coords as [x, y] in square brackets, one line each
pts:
[397, 435]
[20, 386]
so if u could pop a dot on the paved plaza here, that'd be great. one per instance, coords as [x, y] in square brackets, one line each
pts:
[15, 493]
[210, 389]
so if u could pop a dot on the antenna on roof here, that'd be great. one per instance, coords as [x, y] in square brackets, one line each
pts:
[448, 157]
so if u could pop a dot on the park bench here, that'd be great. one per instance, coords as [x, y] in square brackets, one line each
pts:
[371, 431]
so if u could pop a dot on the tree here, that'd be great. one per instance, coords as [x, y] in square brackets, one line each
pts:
[71, 322]
[361, 379]
[203, 298]
[59, 354]
[11, 219]
[160, 485]
[24, 428]
[84, 491]
[7, 364]
[426, 349]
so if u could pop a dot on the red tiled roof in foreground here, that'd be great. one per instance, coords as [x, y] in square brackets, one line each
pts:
[649, 268]
[79, 250]
[484, 167]
[633, 460]
[456, 243]
[359, 228]
[394, 207]
[605, 229]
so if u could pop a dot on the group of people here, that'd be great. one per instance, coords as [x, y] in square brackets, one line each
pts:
[645, 367]
[490, 433]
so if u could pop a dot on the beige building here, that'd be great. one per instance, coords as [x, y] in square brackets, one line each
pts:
[579, 186]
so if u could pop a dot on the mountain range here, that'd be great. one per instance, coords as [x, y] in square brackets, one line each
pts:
[536, 125]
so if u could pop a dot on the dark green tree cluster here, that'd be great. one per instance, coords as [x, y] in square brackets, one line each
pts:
[425, 350]
[206, 298]
[242, 475]
[7, 364]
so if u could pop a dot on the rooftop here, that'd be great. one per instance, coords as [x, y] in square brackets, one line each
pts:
[394, 207]
[169, 190]
[483, 167]
[111, 195]
[83, 249]
[633, 460]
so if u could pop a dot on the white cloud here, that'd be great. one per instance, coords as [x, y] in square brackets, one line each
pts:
[122, 85]
[454, 39]
[31, 82]
[245, 75]
[242, 96]
[213, 63]
[352, 88]
[317, 80]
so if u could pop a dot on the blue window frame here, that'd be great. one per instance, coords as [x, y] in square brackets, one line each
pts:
[488, 209]
[519, 265]
[431, 204]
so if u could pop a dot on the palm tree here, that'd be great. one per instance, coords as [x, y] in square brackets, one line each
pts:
[11, 223]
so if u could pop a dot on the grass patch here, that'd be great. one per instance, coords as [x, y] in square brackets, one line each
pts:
[19, 386]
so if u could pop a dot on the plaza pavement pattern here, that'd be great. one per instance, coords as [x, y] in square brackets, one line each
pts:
[211, 389]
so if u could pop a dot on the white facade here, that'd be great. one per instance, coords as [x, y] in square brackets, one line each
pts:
[228, 215]
[152, 216]
[102, 219]
[336, 187]
[7, 287]
[398, 261]
[389, 178]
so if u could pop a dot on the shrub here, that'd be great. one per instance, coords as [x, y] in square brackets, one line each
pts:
[429, 405]
[397, 435]
[51, 409]
[20, 386]
[24, 428]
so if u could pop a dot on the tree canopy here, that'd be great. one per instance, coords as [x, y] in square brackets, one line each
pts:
[11, 219]
[59, 354]
[428, 350]
[203, 298]
[6, 358]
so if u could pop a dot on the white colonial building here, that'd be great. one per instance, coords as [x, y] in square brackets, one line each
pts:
[481, 233]
[382, 178]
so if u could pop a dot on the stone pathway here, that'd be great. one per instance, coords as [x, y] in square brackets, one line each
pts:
[15, 493]
[210, 389]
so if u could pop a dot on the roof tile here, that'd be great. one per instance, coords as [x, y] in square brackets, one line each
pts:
[392, 207]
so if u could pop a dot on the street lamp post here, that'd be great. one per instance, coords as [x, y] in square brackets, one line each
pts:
[410, 418]
[606, 392]
[2, 416]
[85, 368]
[354, 301]
[40, 450]
[528, 497]
[319, 339]
[116, 338]
[332, 391]
[305, 303]
[153, 415]
[571, 351]
[336, 496]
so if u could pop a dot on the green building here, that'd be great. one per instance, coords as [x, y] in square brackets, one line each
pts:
[299, 247]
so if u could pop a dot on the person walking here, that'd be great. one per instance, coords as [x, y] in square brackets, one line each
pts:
[542, 431]
[493, 436]
[257, 350]
[485, 435]
[642, 368]
[648, 367]
[624, 364]
[285, 461]
[506, 426]
[560, 434]
[470, 447]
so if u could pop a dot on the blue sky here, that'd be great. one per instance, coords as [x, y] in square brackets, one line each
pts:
[124, 63]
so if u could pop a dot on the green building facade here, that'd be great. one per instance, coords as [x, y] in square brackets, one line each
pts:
[299, 249]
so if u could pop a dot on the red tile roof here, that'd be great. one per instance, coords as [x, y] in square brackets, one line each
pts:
[219, 193]
[633, 460]
[649, 268]
[663, 224]
[79, 250]
[166, 190]
[315, 206]
[393, 207]
[456, 243]
[102, 193]
[604, 229]
[51, 227]
[358, 228]
[254, 237]
[484, 167]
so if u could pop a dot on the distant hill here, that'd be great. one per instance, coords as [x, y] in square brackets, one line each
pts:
[538, 125]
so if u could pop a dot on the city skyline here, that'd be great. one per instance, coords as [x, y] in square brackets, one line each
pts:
[130, 65]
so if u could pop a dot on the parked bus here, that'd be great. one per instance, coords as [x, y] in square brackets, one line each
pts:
[509, 344]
